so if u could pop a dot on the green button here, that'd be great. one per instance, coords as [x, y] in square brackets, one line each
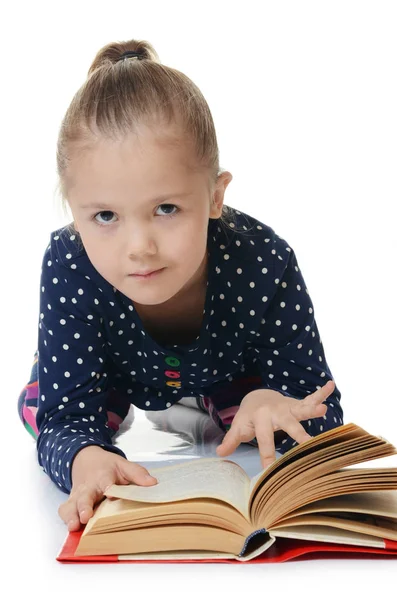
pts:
[172, 361]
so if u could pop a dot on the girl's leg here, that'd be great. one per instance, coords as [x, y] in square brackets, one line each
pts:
[27, 401]
[118, 404]
[223, 406]
[118, 399]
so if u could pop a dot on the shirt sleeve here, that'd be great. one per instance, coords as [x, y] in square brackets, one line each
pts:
[289, 353]
[72, 378]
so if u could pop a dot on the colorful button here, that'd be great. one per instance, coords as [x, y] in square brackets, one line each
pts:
[173, 374]
[174, 384]
[172, 362]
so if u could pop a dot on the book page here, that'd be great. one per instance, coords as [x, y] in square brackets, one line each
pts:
[381, 502]
[310, 462]
[328, 534]
[256, 478]
[201, 478]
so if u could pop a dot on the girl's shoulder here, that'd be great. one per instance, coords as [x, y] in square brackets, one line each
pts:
[66, 259]
[66, 245]
[244, 239]
[69, 277]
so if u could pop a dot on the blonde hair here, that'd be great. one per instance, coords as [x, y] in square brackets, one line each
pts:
[118, 95]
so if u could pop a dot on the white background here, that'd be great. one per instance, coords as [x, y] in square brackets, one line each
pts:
[304, 96]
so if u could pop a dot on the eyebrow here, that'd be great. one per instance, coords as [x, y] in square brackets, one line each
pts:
[95, 205]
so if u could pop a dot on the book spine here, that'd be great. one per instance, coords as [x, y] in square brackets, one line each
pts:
[253, 534]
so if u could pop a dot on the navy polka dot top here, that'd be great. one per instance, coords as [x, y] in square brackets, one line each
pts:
[258, 331]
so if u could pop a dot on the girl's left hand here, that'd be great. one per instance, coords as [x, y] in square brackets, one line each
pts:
[262, 412]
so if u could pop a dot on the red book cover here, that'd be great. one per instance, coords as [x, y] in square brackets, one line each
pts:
[282, 550]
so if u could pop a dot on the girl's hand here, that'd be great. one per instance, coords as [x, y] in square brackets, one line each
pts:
[262, 412]
[93, 470]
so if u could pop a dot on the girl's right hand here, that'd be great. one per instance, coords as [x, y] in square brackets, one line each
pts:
[93, 470]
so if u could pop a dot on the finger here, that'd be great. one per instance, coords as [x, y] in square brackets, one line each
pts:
[302, 411]
[130, 472]
[85, 502]
[265, 437]
[321, 394]
[68, 513]
[291, 426]
[230, 442]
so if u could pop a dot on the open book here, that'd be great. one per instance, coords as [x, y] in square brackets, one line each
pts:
[210, 507]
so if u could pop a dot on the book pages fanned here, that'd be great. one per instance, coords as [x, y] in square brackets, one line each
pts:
[206, 478]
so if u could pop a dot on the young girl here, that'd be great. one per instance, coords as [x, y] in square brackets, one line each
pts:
[158, 290]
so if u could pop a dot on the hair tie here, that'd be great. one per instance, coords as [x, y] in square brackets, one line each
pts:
[130, 54]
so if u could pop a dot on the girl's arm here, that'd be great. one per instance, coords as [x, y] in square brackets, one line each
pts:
[289, 356]
[289, 352]
[72, 378]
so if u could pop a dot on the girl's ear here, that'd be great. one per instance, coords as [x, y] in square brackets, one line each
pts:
[218, 196]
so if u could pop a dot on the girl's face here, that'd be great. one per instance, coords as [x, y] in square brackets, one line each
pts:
[138, 207]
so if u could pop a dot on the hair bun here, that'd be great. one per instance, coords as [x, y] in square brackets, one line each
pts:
[131, 54]
[113, 52]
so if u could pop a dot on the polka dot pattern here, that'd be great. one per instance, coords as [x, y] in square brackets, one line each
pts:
[258, 331]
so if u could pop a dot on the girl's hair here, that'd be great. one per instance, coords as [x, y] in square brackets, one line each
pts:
[119, 95]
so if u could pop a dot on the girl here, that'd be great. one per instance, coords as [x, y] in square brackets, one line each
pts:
[158, 291]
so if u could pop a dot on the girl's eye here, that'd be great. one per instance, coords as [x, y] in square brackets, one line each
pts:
[103, 212]
[109, 213]
[169, 206]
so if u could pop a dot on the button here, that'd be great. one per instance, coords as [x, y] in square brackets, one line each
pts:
[172, 361]
[172, 374]
[174, 384]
